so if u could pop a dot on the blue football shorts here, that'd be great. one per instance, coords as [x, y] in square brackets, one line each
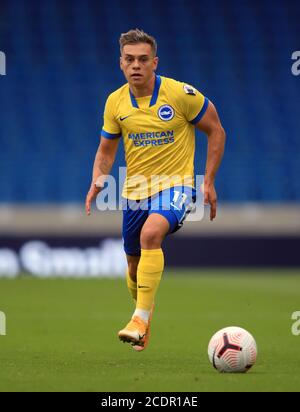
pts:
[174, 204]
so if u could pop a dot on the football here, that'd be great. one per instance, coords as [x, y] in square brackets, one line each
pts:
[232, 349]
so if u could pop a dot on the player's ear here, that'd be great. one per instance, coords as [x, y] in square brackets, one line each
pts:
[121, 63]
[155, 61]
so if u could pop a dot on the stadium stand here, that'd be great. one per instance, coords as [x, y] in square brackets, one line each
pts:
[63, 62]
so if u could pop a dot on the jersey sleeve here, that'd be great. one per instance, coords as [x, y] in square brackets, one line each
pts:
[111, 128]
[193, 103]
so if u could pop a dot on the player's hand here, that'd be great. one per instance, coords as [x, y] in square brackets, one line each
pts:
[92, 194]
[210, 197]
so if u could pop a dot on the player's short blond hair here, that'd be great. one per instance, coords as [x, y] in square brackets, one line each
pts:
[137, 36]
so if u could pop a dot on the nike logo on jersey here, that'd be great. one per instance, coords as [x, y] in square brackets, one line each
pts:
[140, 287]
[123, 118]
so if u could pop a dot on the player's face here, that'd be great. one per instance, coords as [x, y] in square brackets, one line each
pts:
[138, 63]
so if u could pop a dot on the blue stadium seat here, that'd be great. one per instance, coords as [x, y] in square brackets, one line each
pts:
[63, 62]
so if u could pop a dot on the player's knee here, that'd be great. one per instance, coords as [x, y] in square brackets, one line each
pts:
[150, 237]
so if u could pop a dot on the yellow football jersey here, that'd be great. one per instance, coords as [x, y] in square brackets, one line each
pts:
[158, 133]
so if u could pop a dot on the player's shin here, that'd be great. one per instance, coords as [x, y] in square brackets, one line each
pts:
[132, 286]
[149, 274]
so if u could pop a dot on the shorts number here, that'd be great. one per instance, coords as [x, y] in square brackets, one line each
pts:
[176, 196]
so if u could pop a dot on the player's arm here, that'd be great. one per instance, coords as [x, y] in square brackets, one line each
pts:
[103, 163]
[106, 152]
[210, 124]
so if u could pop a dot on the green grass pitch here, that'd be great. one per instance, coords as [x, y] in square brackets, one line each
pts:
[61, 335]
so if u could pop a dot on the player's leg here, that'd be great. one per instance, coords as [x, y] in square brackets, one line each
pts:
[133, 221]
[149, 271]
[132, 262]
[168, 210]
[151, 263]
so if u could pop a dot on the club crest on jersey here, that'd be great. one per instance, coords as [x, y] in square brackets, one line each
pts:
[166, 112]
[189, 89]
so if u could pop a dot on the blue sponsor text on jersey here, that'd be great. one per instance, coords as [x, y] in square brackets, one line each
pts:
[152, 138]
